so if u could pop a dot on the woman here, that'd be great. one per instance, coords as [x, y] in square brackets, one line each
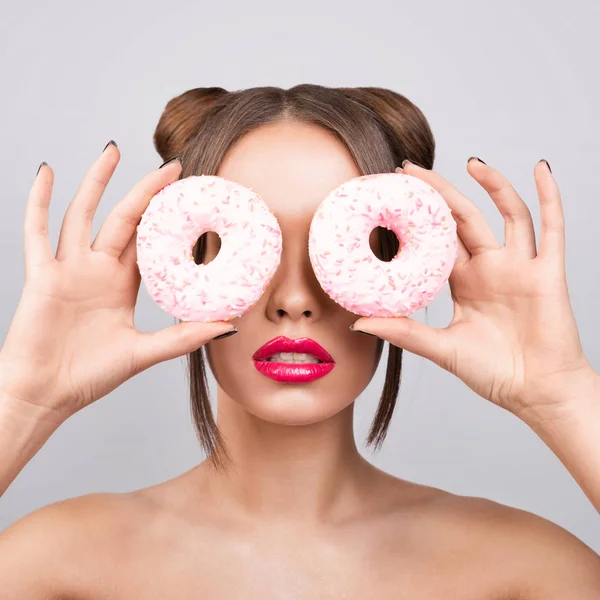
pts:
[285, 505]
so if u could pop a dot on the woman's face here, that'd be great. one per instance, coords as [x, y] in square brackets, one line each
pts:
[292, 166]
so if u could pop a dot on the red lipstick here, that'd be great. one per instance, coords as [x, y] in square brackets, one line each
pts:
[293, 372]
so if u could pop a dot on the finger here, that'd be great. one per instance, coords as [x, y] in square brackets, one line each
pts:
[518, 224]
[552, 230]
[407, 333]
[76, 227]
[38, 249]
[472, 226]
[120, 225]
[176, 340]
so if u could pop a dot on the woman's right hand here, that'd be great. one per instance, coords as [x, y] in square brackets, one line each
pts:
[73, 339]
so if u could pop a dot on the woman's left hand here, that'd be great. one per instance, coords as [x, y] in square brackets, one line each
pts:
[513, 337]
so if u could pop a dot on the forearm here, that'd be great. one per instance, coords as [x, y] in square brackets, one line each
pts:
[573, 434]
[24, 429]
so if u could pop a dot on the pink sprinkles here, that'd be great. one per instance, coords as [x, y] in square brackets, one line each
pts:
[250, 252]
[346, 267]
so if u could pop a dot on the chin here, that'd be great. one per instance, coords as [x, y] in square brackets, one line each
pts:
[298, 403]
[294, 404]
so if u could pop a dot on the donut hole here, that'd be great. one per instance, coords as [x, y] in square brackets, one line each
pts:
[207, 248]
[384, 243]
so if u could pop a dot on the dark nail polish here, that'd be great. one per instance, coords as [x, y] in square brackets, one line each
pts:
[476, 158]
[41, 165]
[170, 160]
[544, 160]
[359, 331]
[109, 143]
[226, 334]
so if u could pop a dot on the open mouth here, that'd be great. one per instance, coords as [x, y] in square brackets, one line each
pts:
[293, 358]
[293, 361]
[286, 350]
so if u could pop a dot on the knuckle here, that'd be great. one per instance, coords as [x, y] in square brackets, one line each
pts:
[516, 215]
[465, 217]
[128, 218]
[98, 177]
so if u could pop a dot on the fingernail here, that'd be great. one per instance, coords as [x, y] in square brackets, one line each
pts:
[359, 331]
[398, 170]
[476, 158]
[544, 160]
[226, 334]
[171, 160]
[109, 143]
[412, 162]
[41, 165]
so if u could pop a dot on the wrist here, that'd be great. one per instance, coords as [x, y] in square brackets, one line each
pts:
[571, 396]
[26, 417]
[25, 396]
[24, 429]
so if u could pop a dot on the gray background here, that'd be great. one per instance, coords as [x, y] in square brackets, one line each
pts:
[511, 83]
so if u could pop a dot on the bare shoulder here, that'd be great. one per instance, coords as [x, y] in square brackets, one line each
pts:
[539, 558]
[53, 551]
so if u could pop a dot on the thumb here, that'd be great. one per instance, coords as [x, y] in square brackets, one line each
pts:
[410, 334]
[176, 340]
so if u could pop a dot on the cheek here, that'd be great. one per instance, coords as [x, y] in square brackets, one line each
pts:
[231, 365]
[363, 354]
[218, 359]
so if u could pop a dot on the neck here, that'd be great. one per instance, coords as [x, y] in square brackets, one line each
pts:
[309, 472]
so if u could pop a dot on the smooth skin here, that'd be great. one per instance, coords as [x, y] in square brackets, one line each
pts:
[513, 338]
[301, 514]
[72, 339]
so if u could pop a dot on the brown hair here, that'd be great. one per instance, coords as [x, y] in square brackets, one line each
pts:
[380, 129]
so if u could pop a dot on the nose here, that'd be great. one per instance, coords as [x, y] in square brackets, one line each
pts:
[294, 292]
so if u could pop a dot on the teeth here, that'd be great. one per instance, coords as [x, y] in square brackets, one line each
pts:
[293, 357]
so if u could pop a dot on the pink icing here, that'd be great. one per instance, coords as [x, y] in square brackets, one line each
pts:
[232, 283]
[342, 258]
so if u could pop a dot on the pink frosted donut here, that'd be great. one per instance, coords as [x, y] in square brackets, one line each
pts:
[233, 282]
[342, 258]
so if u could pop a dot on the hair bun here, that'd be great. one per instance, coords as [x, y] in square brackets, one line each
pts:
[405, 119]
[181, 119]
